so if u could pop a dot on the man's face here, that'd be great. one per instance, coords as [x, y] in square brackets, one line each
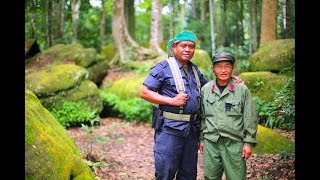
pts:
[184, 50]
[223, 70]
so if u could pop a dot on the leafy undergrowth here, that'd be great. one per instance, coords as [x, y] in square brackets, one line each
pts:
[119, 150]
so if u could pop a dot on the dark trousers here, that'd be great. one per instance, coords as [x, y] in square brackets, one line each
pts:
[175, 156]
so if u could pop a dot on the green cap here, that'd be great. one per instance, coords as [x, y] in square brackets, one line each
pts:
[181, 36]
[223, 56]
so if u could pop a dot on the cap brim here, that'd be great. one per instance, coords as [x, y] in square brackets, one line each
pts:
[222, 59]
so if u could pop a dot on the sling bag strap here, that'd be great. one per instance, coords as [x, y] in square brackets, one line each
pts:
[178, 78]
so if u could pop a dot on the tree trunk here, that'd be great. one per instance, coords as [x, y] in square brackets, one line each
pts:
[155, 26]
[171, 19]
[203, 11]
[49, 22]
[253, 26]
[203, 7]
[57, 34]
[240, 24]
[33, 19]
[126, 48]
[287, 23]
[75, 5]
[63, 3]
[222, 23]
[268, 21]
[129, 16]
[213, 45]
[102, 24]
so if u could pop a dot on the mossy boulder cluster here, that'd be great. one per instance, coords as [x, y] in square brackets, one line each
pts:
[60, 85]
[64, 78]
[270, 68]
[75, 53]
[50, 153]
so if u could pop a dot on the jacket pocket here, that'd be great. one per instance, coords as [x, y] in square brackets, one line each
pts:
[233, 108]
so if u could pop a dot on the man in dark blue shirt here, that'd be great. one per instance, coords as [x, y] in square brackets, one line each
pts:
[176, 141]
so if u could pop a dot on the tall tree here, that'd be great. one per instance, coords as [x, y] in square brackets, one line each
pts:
[171, 19]
[75, 5]
[268, 21]
[102, 24]
[253, 26]
[126, 48]
[129, 16]
[155, 26]
[213, 45]
[288, 19]
[57, 13]
[48, 5]
[239, 24]
[221, 22]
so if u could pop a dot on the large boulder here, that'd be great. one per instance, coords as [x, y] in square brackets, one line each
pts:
[51, 79]
[264, 84]
[270, 142]
[50, 153]
[73, 53]
[66, 91]
[274, 56]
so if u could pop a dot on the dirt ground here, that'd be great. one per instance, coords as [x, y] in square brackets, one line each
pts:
[120, 150]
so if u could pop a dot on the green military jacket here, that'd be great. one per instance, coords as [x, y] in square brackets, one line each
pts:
[230, 114]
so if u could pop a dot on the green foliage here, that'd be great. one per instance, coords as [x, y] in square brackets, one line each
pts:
[257, 84]
[239, 52]
[71, 113]
[134, 109]
[279, 113]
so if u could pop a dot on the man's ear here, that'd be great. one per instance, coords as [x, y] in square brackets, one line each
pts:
[174, 45]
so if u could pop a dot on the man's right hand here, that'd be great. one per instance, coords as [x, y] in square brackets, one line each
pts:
[201, 146]
[180, 99]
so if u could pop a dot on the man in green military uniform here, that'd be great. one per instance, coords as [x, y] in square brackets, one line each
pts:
[229, 123]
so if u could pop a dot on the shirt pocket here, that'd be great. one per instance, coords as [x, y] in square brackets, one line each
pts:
[233, 108]
[173, 84]
[209, 105]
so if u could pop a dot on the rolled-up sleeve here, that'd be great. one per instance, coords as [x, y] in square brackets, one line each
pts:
[155, 78]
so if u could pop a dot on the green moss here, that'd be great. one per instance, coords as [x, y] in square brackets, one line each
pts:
[126, 88]
[270, 142]
[265, 85]
[202, 59]
[107, 52]
[85, 57]
[50, 153]
[274, 56]
[55, 78]
[87, 103]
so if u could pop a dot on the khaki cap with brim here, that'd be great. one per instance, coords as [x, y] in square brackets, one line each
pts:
[223, 56]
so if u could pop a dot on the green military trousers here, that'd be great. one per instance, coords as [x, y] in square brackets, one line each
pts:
[224, 156]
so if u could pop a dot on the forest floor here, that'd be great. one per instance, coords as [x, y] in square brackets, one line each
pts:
[121, 150]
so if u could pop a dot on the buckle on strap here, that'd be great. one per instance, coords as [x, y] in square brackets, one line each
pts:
[180, 117]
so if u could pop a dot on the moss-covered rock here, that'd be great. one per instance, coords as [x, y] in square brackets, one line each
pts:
[127, 87]
[84, 102]
[202, 59]
[52, 79]
[264, 84]
[107, 52]
[270, 142]
[86, 91]
[99, 70]
[50, 153]
[74, 53]
[273, 56]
